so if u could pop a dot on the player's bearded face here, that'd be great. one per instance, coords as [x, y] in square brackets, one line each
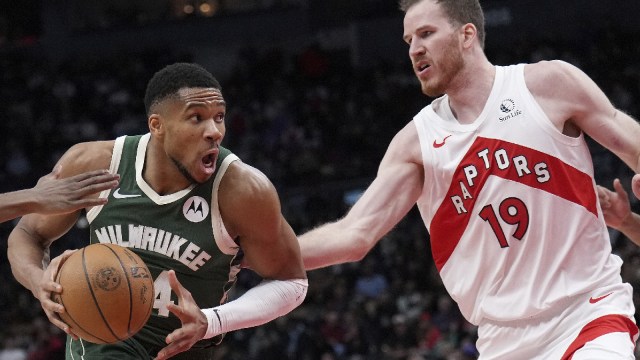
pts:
[183, 170]
[447, 66]
[197, 120]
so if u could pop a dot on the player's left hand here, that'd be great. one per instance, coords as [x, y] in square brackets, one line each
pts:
[635, 185]
[194, 322]
[615, 204]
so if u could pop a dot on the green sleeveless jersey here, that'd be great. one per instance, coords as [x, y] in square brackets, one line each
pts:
[181, 231]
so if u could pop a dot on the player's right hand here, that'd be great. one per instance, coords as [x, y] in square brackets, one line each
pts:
[48, 287]
[194, 322]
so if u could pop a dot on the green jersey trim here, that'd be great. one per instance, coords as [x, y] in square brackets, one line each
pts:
[113, 168]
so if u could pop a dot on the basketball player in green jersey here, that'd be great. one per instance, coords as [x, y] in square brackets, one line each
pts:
[52, 195]
[191, 210]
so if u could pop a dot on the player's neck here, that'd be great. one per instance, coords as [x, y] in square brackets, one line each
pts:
[469, 94]
[160, 173]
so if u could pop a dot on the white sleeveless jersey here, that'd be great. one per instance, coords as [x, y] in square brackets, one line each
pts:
[511, 206]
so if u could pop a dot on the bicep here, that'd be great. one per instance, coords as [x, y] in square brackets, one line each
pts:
[253, 211]
[87, 156]
[617, 132]
[394, 191]
[597, 117]
[272, 250]
[387, 200]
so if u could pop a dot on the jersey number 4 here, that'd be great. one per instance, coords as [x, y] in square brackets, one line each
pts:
[163, 294]
[513, 211]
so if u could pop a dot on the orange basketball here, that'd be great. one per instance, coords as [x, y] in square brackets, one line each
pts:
[107, 293]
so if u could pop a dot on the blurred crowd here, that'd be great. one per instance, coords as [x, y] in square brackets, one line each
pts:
[318, 127]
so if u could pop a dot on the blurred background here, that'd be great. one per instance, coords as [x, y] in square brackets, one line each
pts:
[315, 91]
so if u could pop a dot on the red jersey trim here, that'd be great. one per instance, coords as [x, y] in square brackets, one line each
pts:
[603, 325]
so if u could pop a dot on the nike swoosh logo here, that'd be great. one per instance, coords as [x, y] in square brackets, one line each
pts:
[437, 144]
[593, 300]
[117, 195]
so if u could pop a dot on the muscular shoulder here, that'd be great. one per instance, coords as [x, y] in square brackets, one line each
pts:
[86, 156]
[405, 146]
[243, 180]
[246, 193]
[555, 79]
[562, 90]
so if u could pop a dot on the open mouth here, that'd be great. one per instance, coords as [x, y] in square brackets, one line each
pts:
[422, 66]
[209, 161]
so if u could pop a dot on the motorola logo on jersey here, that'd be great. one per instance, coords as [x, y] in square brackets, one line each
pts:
[195, 209]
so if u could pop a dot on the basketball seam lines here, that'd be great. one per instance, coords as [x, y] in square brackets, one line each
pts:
[126, 275]
[78, 325]
[71, 317]
[95, 300]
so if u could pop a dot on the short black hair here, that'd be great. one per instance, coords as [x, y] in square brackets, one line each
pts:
[170, 79]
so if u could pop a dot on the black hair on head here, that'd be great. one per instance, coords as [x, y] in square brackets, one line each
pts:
[170, 79]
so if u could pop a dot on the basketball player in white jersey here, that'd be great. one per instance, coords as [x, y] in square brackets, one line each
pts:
[617, 211]
[500, 171]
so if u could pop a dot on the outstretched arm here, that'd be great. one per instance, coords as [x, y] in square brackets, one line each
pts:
[386, 201]
[54, 195]
[617, 211]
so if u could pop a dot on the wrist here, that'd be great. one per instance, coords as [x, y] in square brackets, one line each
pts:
[31, 200]
[214, 323]
[35, 280]
[23, 201]
[630, 222]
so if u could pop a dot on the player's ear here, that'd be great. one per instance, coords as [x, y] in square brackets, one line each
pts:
[469, 32]
[155, 124]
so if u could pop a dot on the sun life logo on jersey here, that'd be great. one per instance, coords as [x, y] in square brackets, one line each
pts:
[195, 209]
[508, 106]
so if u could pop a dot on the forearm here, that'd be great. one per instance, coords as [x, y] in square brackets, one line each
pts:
[630, 227]
[331, 244]
[265, 302]
[27, 257]
[15, 204]
[386, 201]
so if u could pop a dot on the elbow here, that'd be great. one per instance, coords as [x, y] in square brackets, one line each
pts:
[291, 292]
[12, 245]
[360, 246]
[23, 246]
[301, 291]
